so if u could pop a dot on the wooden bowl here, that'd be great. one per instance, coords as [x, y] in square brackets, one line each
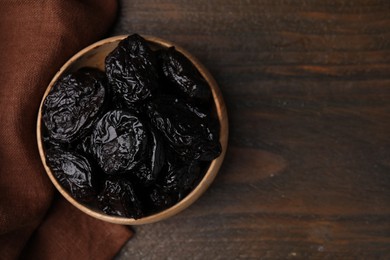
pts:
[94, 56]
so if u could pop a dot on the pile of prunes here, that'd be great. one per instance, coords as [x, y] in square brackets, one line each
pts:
[135, 139]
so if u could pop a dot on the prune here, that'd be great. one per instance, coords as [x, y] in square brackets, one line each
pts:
[118, 104]
[131, 70]
[178, 177]
[73, 104]
[153, 160]
[159, 200]
[117, 142]
[189, 135]
[118, 198]
[74, 173]
[136, 139]
[183, 74]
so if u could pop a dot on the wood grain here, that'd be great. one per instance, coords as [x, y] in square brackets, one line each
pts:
[307, 87]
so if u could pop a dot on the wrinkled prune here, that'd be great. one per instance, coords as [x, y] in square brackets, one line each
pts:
[131, 70]
[160, 200]
[74, 173]
[153, 161]
[117, 142]
[136, 139]
[178, 177]
[189, 135]
[183, 74]
[73, 104]
[118, 198]
[118, 104]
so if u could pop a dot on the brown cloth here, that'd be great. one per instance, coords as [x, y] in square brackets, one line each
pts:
[37, 37]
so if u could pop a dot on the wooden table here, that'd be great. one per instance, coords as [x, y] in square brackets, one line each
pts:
[307, 86]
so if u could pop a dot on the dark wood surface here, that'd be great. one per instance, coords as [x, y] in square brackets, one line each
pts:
[307, 86]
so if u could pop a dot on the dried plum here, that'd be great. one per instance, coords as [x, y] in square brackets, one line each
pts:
[153, 160]
[136, 139]
[118, 142]
[74, 173]
[118, 104]
[183, 74]
[131, 70]
[188, 134]
[178, 177]
[73, 104]
[119, 199]
[159, 200]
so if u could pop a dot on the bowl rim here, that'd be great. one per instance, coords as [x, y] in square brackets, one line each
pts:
[207, 178]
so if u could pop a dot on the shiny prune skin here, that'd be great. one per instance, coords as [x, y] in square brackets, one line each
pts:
[118, 104]
[191, 136]
[159, 200]
[182, 74]
[131, 70]
[151, 139]
[118, 142]
[118, 198]
[179, 177]
[73, 104]
[154, 159]
[74, 172]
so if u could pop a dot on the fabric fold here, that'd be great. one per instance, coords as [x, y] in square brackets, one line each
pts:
[37, 38]
[68, 233]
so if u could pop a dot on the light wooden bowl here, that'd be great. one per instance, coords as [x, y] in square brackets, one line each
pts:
[94, 56]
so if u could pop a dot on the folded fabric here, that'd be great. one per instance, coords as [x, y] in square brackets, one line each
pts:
[37, 37]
